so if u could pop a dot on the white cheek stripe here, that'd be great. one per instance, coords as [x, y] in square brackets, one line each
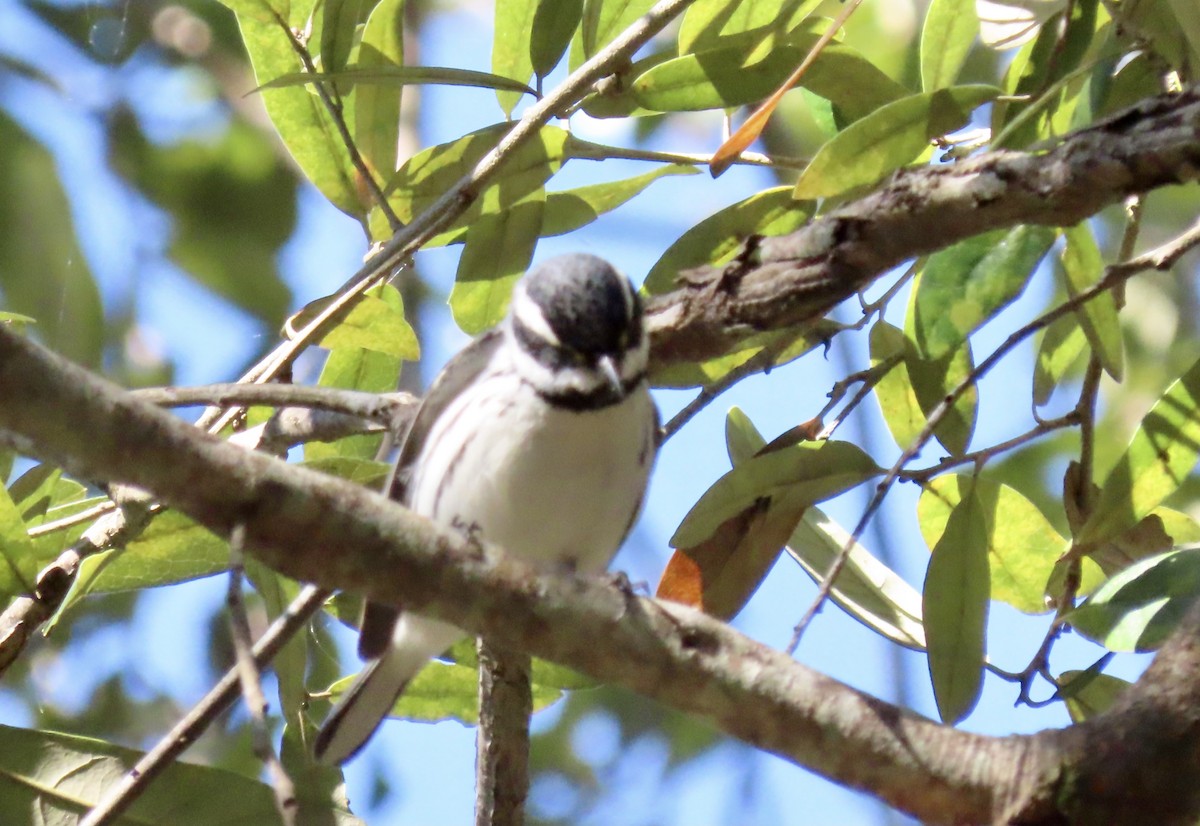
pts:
[530, 316]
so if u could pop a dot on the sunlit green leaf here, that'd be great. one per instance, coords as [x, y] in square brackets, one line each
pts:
[1022, 546]
[376, 323]
[339, 25]
[955, 607]
[298, 115]
[750, 25]
[1138, 608]
[897, 402]
[377, 108]
[866, 589]
[1159, 458]
[605, 19]
[511, 39]
[888, 138]
[498, 251]
[814, 470]
[1098, 318]
[946, 38]
[19, 565]
[400, 76]
[355, 368]
[718, 237]
[718, 79]
[570, 209]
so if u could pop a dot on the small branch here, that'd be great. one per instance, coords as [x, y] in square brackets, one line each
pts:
[119, 797]
[923, 475]
[382, 408]
[251, 683]
[1160, 259]
[502, 742]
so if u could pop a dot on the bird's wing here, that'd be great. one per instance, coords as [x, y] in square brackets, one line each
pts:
[378, 621]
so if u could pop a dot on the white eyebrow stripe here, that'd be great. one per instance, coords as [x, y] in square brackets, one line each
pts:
[529, 315]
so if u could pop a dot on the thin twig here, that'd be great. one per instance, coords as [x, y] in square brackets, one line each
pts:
[502, 741]
[373, 406]
[1160, 258]
[923, 475]
[92, 513]
[251, 682]
[121, 796]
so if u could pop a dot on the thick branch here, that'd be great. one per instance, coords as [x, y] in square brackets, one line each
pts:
[782, 282]
[320, 529]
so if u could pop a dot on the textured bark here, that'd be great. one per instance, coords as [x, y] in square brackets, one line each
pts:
[321, 529]
[777, 283]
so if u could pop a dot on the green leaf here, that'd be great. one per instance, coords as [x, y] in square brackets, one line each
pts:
[949, 32]
[1087, 695]
[1098, 318]
[1022, 545]
[887, 139]
[376, 108]
[933, 379]
[894, 391]
[20, 564]
[719, 79]
[605, 19]
[866, 589]
[1137, 609]
[376, 323]
[813, 471]
[963, 287]
[570, 209]
[751, 25]
[400, 76]
[290, 663]
[432, 172]
[1158, 460]
[366, 472]
[742, 439]
[299, 116]
[339, 25]
[554, 24]
[320, 789]
[172, 549]
[718, 237]
[53, 778]
[1059, 349]
[511, 41]
[955, 607]
[499, 248]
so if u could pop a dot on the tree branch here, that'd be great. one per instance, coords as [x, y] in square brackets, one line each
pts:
[782, 282]
[320, 529]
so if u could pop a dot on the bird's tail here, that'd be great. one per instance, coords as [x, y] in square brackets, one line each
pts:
[371, 697]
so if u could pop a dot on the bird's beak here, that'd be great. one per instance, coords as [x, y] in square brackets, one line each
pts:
[608, 366]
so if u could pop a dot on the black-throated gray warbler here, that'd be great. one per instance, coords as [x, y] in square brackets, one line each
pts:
[538, 436]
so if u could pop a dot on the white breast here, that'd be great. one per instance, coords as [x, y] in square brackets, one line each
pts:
[551, 485]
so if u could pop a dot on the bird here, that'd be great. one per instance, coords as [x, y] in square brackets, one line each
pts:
[538, 437]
